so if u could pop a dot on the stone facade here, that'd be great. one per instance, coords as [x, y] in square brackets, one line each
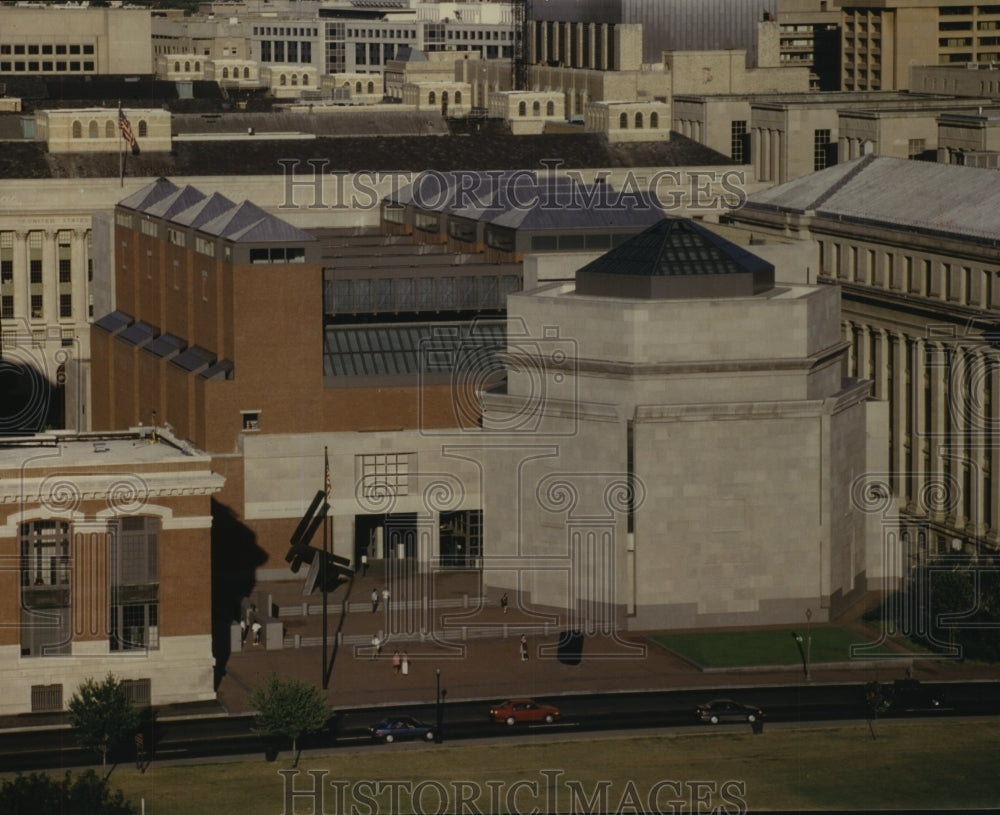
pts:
[633, 490]
[95, 130]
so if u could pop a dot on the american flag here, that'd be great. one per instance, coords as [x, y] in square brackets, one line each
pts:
[328, 483]
[125, 126]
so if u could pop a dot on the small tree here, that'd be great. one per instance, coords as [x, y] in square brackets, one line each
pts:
[102, 715]
[41, 795]
[288, 707]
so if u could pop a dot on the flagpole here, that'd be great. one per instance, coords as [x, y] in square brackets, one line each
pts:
[323, 564]
[121, 149]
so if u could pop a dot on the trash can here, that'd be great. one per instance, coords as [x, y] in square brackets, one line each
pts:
[570, 648]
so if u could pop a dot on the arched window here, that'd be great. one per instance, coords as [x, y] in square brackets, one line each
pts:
[458, 97]
[295, 79]
[197, 66]
[109, 130]
[92, 131]
[177, 67]
[371, 87]
[444, 97]
[142, 129]
[357, 88]
[638, 121]
[305, 79]
[246, 73]
[550, 108]
[432, 98]
[536, 108]
[187, 67]
[623, 121]
[522, 109]
[654, 120]
[282, 80]
[225, 73]
[77, 130]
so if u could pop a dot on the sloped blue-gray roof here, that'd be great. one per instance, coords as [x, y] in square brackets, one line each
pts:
[142, 199]
[204, 211]
[931, 197]
[184, 198]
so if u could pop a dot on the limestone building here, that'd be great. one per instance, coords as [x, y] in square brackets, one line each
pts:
[663, 460]
[920, 289]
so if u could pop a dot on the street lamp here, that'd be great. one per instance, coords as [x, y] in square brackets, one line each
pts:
[809, 638]
[441, 694]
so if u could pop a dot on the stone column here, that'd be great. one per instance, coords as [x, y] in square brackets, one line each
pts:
[862, 352]
[78, 264]
[978, 376]
[881, 363]
[957, 456]
[937, 374]
[897, 411]
[991, 489]
[918, 368]
[50, 277]
[22, 277]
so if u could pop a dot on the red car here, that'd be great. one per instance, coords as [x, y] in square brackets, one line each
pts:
[514, 711]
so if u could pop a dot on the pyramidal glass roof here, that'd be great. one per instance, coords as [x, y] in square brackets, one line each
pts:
[676, 258]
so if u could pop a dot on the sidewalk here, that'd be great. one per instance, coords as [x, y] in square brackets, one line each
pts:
[479, 655]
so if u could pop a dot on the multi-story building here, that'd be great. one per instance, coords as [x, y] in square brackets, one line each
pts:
[810, 37]
[107, 541]
[77, 40]
[920, 292]
[883, 39]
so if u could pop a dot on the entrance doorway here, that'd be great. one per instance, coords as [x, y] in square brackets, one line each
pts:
[385, 537]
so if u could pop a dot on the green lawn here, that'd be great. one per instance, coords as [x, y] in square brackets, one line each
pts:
[727, 649]
[911, 765]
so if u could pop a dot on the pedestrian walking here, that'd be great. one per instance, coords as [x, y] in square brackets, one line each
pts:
[256, 627]
[503, 602]
[406, 664]
[397, 662]
[243, 632]
[524, 648]
[376, 645]
[385, 598]
[374, 600]
[364, 565]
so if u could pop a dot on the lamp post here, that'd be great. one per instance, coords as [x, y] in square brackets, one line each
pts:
[439, 707]
[809, 615]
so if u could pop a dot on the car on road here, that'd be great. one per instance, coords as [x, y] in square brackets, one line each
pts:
[909, 696]
[727, 710]
[401, 728]
[517, 711]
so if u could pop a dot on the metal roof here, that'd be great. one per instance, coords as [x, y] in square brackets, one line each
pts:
[414, 348]
[944, 199]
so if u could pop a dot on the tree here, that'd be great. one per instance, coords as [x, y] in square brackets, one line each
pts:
[288, 707]
[41, 795]
[102, 715]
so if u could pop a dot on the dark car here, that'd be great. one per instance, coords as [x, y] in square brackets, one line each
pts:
[399, 728]
[727, 710]
[514, 711]
[909, 696]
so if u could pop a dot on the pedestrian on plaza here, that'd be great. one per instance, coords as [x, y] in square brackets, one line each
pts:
[374, 600]
[406, 664]
[256, 627]
[503, 602]
[385, 598]
[376, 645]
[243, 632]
[364, 565]
[524, 648]
[396, 662]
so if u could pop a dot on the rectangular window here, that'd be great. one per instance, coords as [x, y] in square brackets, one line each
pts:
[7, 306]
[65, 305]
[821, 149]
[45, 588]
[738, 146]
[37, 310]
[135, 584]
[384, 473]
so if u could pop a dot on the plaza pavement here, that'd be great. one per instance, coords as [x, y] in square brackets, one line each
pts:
[476, 649]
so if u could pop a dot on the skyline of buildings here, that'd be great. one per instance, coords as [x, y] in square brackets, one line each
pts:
[420, 341]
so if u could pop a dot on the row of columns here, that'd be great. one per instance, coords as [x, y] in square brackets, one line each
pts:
[589, 51]
[50, 278]
[942, 397]
[766, 145]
